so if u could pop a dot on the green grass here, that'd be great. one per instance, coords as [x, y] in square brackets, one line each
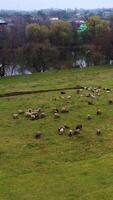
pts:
[63, 78]
[56, 167]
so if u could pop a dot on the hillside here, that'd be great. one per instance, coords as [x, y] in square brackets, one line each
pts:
[57, 166]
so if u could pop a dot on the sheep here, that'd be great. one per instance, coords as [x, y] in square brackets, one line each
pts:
[66, 127]
[110, 101]
[61, 130]
[38, 135]
[69, 97]
[56, 115]
[90, 103]
[20, 112]
[64, 110]
[93, 96]
[78, 91]
[79, 126]
[63, 92]
[33, 117]
[87, 95]
[89, 117]
[77, 131]
[107, 89]
[42, 115]
[70, 133]
[29, 110]
[39, 110]
[15, 116]
[62, 97]
[54, 98]
[56, 110]
[27, 114]
[99, 112]
[98, 132]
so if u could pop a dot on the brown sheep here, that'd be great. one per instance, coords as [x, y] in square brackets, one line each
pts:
[66, 127]
[63, 92]
[20, 112]
[15, 116]
[42, 115]
[89, 117]
[29, 110]
[79, 127]
[70, 133]
[90, 103]
[78, 91]
[98, 132]
[110, 101]
[38, 135]
[99, 112]
[77, 132]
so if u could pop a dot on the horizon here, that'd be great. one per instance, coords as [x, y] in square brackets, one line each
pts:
[30, 5]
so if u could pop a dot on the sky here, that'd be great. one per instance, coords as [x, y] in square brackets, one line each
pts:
[42, 4]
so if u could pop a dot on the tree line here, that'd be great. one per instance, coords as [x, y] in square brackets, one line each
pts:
[56, 44]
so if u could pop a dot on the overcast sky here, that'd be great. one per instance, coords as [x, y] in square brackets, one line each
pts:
[41, 4]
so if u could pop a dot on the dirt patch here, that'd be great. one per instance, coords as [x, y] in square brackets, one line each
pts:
[11, 94]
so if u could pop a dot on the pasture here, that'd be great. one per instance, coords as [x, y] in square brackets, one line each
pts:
[57, 167]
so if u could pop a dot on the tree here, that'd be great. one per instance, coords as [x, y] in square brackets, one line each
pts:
[36, 33]
[41, 56]
[61, 33]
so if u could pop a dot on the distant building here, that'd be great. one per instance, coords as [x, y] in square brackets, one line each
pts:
[2, 22]
[54, 19]
[107, 14]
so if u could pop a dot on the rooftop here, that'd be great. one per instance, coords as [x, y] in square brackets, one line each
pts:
[2, 22]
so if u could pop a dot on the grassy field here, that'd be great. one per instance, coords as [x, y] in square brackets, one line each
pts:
[57, 167]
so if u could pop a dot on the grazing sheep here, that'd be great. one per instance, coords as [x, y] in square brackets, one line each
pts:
[62, 97]
[56, 115]
[70, 133]
[79, 127]
[38, 135]
[93, 96]
[98, 132]
[89, 117]
[88, 95]
[66, 127]
[90, 103]
[63, 92]
[33, 117]
[56, 110]
[42, 115]
[99, 112]
[78, 91]
[54, 98]
[61, 130]
[20, 112]
[64, 110]
[39, 110]
[69, 97]
[77, 131]
[110, 101]
[15, 116]
[27, 114]
[29, 110]
[107, 89]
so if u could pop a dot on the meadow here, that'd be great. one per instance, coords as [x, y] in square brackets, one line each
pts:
[57, 167]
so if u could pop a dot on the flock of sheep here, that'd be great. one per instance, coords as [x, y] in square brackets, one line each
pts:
[91, 94]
